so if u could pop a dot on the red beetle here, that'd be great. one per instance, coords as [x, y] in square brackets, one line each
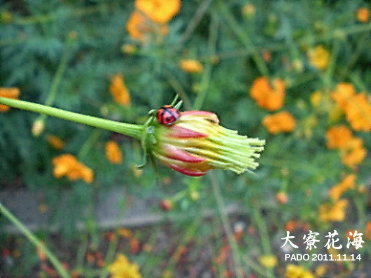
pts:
[167, 115]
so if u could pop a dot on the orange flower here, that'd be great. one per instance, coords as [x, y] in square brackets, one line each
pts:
[357, 107]
[291, 225]
[119, 91]
[113, 152]
[338, 137]
[353, 153]
[347, 183]
[333, 212]
[282, 197]
[67, 165]
[8, 93]
[368, 230]
[358, 113]
[161, 11]
[343, 94]
[319, 57]
[55, 142]
[142, 28]
[191, 66]
[124, 233]
[362, 15]
[279, 122]
[266, 96]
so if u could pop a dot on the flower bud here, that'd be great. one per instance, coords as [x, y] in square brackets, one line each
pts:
[38, 127]
[166, 205]
[196, 143]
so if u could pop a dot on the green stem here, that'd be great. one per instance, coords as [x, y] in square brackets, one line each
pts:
[195, 21]
[207, 72]
[43, 18]
[56, 80]
[32, 238]
[131, 130]
[178, 88]
[328, 76]
[93, 137]
[227, 227]
[110, 255]
[244, 38]
[59, 73]
[263, 232]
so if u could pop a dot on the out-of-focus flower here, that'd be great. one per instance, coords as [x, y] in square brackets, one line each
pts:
[124, 233]
[142, 28]
[268, 96]
[347, 183]
[134, 245]
[267, 56]
[356, 107]
[67, 165]
[42, 208]
[268, 261]
[113, 152]
[249, 10]
[279, 122]
[368, 230]
[128, 48]
[358, 113]
[166, 205]
[119, 91]
[8, 93]
[296, 271]
[338, 137]
[55, 142]
[297, 65]
[196, 143]
[321, 270]
[316, 98]
[362, 15]
[122, 268]
[191, 66]
[334, 211]
[282, 197]
[291, 225]
[161, 11]
[353, 153]
[194, 195]
[343, 94]
[319, 57]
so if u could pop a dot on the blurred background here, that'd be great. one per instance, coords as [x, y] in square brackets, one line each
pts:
[295, 73]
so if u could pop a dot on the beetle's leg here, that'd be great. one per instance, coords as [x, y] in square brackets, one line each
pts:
[175, 100]
[178, 105]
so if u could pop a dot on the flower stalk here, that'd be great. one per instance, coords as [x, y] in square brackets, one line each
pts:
[194, 144]
[35, 241]
[132, 130]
